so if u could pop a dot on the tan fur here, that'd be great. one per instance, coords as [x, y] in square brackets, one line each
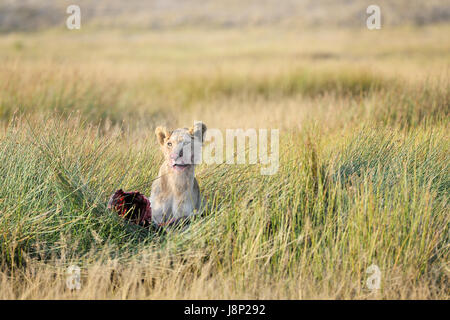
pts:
[176, 194]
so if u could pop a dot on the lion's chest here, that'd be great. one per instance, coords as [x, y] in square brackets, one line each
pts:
[168, 208]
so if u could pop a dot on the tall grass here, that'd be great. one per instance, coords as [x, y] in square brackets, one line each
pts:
[363, 179]
[380, 196]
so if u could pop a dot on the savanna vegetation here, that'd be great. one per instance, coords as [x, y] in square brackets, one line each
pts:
[364, 162]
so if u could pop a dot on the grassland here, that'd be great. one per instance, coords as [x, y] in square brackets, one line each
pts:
[364, 162]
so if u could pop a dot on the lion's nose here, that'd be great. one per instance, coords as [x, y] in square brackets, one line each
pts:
[176, 155]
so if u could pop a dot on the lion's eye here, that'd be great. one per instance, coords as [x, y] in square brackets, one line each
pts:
[169, 144]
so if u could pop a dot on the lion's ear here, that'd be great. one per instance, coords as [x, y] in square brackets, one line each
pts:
[161, 134]
[198, 130]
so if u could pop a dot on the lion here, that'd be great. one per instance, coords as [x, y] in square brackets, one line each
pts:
[175, 195]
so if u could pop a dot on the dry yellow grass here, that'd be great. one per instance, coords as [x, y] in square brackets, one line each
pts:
[363, 178]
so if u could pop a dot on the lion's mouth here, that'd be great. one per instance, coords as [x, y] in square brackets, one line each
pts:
[180, 167]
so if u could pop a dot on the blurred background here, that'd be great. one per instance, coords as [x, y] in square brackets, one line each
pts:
[32, 15]
[179, 60]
